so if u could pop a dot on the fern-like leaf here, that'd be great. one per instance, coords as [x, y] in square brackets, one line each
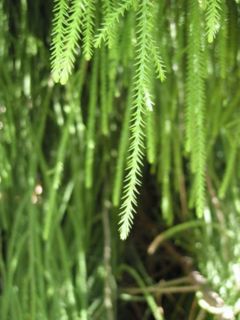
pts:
[59, 29]
[158, 61]
[213, 16]
[74, 26]
[195, 129]
[88, 28]
[110, 22]
[136, 150]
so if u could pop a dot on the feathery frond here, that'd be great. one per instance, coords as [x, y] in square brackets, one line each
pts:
[73, 31]
[88, 28]
[213, 16]
[64, 153]
[58, 37]
[158, 61]
[195, 113]
[141, 83]
[111, 20]
[66, 36]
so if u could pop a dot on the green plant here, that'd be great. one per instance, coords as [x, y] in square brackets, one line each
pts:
[110, 109]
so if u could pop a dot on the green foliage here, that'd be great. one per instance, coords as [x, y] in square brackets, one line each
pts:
[195, 114]
[141, 103]
[58, 35]
[137, 121]
[88, 29]
[90, 141]
[110, 21]
[67, 26]
[213, 9]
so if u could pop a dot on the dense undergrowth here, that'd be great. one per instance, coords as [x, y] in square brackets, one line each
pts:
[119, 120]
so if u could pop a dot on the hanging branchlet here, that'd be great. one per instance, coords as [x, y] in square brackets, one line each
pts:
[140, 106]
[88, 29]
[213, 17]
[58, 37]
[66, 35]
[158, 61]
[195, 113]
[110, 21]
[73, 32]
[64, 152]
[74, 24]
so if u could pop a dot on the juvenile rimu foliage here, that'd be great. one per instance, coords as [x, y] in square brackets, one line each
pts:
[118, 120]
